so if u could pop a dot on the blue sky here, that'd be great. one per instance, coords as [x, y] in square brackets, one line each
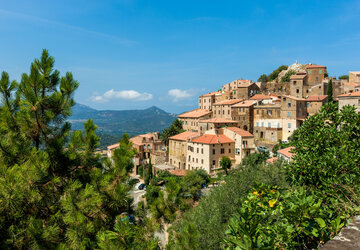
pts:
[133, 54]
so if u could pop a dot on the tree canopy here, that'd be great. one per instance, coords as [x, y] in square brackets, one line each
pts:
[55, 192]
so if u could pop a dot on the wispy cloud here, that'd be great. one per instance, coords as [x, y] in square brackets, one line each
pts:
[178, 94]
[31, 18]
[123, 94]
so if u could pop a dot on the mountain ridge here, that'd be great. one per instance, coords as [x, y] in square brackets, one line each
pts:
[118, 122]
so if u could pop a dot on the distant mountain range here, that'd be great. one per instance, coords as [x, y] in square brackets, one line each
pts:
[112, 124]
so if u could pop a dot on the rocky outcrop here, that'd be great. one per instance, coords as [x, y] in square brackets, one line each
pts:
[348, 238]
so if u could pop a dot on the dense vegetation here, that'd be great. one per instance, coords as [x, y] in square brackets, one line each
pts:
[298, 205]
[344, 77]
[56, 196]
[273, 75]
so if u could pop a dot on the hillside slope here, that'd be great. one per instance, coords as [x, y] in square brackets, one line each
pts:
[118, 122]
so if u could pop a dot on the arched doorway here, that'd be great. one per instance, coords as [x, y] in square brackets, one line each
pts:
[245, 127]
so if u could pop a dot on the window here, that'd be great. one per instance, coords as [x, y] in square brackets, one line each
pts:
[320, 71]
[193, 159]
[202, 150]
[213, 162]
[278, 125]
[202, 161]
[297, 91]
[289, 114]
[257, 111]
[222, 151]
[228, 112]
[309, 71]
[294, 82]
[269, 125]
[269, 112]
[262, 124]
[223, 112]
[237, 151]
[316, 79]
[289, 125]
[257, 124]
[197, 150]
[189, 158]
[289, 105]
[213, 151]
[219, 112]
[243, 109]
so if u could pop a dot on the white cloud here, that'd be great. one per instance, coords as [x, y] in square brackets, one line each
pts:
[178, 94]
[124, 94]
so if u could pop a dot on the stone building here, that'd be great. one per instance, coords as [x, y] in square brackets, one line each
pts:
[178, 148]
[190, 120]
[148, 146]
[316, 73]
[242, 112]
[354, 76]
[241, 89]
[267, 123]
[314, 104]
[206, 151]
[297, 84]
[206, 101]
[293, 113]
[350, 99]
[223, 109]
[244, 142]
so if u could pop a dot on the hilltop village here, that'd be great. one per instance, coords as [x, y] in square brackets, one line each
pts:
[242, 116]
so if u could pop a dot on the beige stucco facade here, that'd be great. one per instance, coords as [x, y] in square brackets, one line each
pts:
[244, 145]
[208, 156]
[353, 99]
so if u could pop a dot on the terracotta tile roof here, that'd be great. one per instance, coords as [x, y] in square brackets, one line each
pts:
[351, 94]
[218, 120]
[272, 160]
[246, 103]
[296, 76]
[352, 84]
[295, 98]
[316, 98]
[212, 139]
[260, 97]
[286, 152]
[137, 140]
[184, 136]
[313, 66]
[196, 113]
[179, 172]
[228, 102]
[111, 147]
[240, 131]
[209, 94]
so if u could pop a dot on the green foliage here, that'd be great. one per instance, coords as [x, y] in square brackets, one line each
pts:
[326, 148]
[276, 72]
[286, 77]
[174, 129]
[263, 78]
[225, 163]
[329, 91]
[204, 226]
[52, 196]
[344, 77]
[272, 218]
